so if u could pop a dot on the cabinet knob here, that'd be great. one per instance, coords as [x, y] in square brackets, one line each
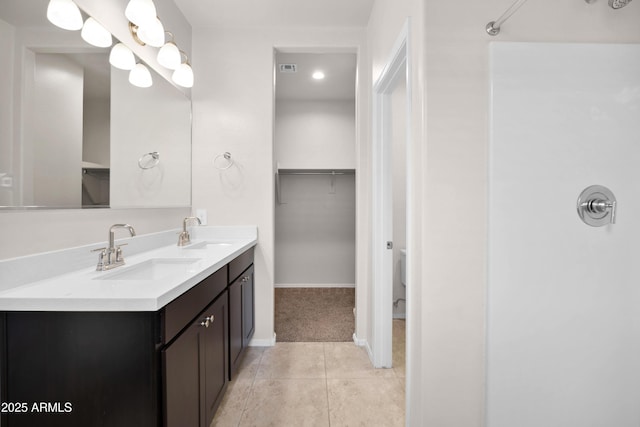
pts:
[207, 321]
[245, 279]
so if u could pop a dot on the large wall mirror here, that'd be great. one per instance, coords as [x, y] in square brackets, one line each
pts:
[74, 132]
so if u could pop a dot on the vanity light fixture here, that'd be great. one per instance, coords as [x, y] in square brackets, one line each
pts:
[64, 14]
[169, 55]
[151, 33]
[183, 75]
[140, 76]
[147, 29]
[318, 75]
[121, 57]
[140, 11]
[95, 34]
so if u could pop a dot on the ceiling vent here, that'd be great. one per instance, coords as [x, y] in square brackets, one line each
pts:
[288, 68]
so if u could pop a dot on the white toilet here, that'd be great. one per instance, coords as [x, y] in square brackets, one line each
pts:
[403, 267]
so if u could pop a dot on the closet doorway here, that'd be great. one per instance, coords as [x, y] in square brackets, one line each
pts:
[315, 209]
[392, 220]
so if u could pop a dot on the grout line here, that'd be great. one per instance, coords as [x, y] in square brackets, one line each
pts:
[326, 381]
[251, 388]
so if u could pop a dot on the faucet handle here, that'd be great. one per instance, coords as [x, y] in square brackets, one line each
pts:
[119, 257]
[101, 255]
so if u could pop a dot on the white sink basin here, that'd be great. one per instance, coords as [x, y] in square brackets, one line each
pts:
[153, 269]
[208, 244]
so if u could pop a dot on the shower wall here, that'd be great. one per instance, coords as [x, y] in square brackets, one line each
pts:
[563, 327]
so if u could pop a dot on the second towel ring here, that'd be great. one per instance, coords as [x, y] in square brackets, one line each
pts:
[149, 160]
[223, 161]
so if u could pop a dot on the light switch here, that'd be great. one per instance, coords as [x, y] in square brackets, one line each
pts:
[202, 216]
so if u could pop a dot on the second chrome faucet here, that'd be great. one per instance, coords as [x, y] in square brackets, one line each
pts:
[184, 238]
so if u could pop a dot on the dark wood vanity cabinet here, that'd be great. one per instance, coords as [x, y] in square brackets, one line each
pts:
[168, 368]
[195, 369]
[195, 357]
[80, 369]
[241, 308]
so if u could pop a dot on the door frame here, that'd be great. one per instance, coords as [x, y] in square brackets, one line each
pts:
[397, 66]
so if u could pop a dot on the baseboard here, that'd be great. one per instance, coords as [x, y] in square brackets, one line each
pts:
[369, 351]
[263, 343]
[359, 342]
[314, 285]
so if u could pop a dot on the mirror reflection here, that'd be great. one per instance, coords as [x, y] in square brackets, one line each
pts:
[73, 129]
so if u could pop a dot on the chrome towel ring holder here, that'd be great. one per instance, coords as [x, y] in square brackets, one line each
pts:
[149, 160]
[223, 161]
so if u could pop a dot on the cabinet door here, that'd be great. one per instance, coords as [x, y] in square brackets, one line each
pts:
[196, 369]
[182, 367]
[235, 325]
[248, 306]
[216, 364]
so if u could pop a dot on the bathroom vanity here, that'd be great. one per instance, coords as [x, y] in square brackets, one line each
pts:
[166, 366]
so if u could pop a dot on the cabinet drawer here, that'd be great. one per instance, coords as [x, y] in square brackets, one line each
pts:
[240, 264]
[180, 312]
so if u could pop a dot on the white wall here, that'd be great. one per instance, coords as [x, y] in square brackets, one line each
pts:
[135, 115]
[96, 131]
[315, 134]
[315, 231]
[234, 111]
[563, 326]
[315, 225]
[55, 112]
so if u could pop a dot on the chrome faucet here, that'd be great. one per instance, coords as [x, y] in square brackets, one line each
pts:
[111, 256]
[184, 238]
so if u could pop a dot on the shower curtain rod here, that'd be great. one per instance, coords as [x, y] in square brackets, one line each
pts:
[493, 27]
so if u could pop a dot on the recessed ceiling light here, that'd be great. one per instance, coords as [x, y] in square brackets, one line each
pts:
[318, 75]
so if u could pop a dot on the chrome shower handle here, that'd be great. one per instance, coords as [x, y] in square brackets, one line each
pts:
[597, 206]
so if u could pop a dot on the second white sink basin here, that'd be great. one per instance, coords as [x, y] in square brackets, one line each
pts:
[208, 244]
[155, 268]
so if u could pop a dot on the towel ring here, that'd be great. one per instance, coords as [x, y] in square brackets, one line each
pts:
[149, 160]
[223, 161]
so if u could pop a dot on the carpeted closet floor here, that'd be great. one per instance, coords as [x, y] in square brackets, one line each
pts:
[314, 314]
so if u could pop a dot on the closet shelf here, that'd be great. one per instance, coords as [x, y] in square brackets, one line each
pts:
[331, 172]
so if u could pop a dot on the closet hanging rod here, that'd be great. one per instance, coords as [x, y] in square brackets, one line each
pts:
[316, 171]
[493, 27]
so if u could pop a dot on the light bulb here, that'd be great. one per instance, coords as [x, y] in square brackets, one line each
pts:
[121, 57]
[95, 34]
[140, 76]
[64, 14]
[152, 33]
[169, 56]
[183, 75]
[140, 11]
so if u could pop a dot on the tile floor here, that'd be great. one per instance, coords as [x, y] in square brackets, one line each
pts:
[314, 384]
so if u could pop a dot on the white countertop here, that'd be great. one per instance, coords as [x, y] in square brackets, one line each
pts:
[87, 290]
